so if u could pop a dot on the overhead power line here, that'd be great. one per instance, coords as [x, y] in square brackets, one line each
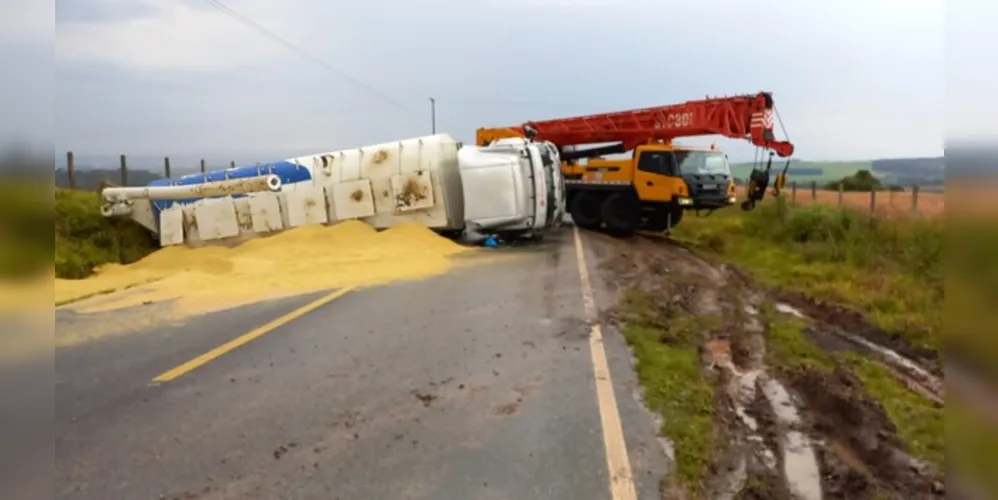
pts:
[225, 9]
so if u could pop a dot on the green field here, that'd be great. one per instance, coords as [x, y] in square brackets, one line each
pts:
[831, 171]
[85, 239]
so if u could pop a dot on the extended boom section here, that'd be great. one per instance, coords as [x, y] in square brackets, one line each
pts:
[749, 117]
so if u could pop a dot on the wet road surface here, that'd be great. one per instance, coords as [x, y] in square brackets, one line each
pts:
[475, 384]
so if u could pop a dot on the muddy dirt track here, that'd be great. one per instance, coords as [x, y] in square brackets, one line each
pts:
[782, 430]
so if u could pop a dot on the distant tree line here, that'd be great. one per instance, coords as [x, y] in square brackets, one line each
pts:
[91, 179]
[862, 180]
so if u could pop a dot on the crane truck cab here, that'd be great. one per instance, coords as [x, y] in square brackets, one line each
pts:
[650, 190]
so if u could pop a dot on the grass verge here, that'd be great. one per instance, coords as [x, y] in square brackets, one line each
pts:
[668, 367]
[84, 239]
[919, 422]
[25, 218]
[892, 270]
[788, 346]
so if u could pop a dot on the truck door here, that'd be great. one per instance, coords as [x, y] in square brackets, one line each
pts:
[655, 174]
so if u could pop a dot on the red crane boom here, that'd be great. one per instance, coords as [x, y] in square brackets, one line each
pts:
[747, 117]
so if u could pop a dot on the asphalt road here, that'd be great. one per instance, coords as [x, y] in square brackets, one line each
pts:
[475, 384]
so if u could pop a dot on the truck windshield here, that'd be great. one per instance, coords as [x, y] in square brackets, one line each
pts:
[702, 162]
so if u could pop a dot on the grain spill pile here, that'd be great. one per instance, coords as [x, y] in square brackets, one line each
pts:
[301, 260]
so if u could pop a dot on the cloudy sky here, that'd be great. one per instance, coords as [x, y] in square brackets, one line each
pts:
[853, 79]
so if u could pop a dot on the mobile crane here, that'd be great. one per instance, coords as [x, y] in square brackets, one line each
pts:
[660, 181]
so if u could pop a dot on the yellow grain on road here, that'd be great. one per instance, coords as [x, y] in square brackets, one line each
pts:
[246, 337]
[618, 464]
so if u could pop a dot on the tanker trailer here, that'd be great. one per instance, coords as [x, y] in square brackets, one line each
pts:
[510, 189]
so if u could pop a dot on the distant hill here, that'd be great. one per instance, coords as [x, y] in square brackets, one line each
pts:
[925, 172]
[970, 160]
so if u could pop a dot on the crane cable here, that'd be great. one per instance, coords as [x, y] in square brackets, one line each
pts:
[781, 179]
[225, 9]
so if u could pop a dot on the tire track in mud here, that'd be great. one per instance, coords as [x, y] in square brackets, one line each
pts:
[782, 432]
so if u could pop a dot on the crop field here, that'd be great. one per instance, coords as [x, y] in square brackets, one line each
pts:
[887, 203]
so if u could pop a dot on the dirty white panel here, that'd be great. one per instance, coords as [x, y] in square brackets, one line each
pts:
[430, 152]
[143, 214]
[244, 218]
[379, 163]
[307, 206]
[353, 200]
[192, 233]
[409, 152]
[326, 168]
[282, 202]
[348, 163]
[171, 226]
[384, 199]
[330, 204]
[438, 156]
[320, 165]
[265, 213]
[216, 219]
[412, 191]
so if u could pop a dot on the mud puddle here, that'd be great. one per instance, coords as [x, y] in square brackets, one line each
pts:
[794, 432]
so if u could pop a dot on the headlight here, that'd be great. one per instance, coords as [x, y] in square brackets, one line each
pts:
[685, 201]
[732, 200]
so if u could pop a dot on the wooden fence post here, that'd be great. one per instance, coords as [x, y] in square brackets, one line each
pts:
[873, 201]
[70, 170]
[793, 193]
[814, 191]
[166, 166]
[842, 190]
[202, 166]
[124, 171]
[914, 198]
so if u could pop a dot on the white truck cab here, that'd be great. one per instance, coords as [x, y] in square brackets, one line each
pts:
[541, 161]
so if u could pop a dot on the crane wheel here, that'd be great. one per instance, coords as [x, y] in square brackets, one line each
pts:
[748, 205]
[585, 210]
[621, 213]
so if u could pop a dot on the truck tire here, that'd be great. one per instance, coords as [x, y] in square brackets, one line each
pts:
[585, 210]
[621, 212]
[660, 220]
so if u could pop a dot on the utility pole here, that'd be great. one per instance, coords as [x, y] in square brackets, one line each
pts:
[433, 115]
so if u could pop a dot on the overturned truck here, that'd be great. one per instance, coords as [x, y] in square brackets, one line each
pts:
[512, 189]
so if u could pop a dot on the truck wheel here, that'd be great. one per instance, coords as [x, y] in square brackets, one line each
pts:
[585, 210]
[621, 212]
[660, 220]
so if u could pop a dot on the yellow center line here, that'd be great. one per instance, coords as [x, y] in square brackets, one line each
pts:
[618, 464]
[246, 337]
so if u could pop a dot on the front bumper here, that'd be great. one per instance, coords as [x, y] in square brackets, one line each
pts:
[702, 202]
